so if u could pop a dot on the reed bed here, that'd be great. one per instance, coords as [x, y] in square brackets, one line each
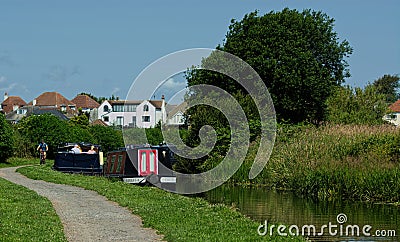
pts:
[357, 162]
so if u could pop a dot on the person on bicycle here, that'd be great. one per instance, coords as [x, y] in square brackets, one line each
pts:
[43, 148]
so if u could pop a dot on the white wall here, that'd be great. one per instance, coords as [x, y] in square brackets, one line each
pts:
[154, 115]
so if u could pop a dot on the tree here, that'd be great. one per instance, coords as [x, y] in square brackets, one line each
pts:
[47, 127]
[297, 54]
[388, 85]
[6, 139]
[356, 106]
[108, 137]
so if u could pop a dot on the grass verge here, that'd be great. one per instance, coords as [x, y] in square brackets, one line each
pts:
[26, 216]
[11, 162]
[177, 217]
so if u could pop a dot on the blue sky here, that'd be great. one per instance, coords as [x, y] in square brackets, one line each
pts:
[100, 47]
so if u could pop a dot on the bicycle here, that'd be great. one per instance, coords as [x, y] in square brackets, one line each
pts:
[42, 158]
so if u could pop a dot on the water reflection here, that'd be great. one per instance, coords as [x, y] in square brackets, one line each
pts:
[286, 208]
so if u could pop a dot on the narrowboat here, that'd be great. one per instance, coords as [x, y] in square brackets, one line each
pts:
[84, 158]
[142, 164]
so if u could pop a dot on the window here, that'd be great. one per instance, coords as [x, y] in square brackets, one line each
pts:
[145, 119]
[105, 109]
[120, 157]
[130, 108]
[144, 159]
[134, 121]
[152, 169]
[118, 108]
[106, 119]
[63, 108]
[120, 121]
[146, 108]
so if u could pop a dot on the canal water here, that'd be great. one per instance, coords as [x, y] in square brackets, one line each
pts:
[333, 220]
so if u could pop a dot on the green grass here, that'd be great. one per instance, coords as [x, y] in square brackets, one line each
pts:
[11, 162]
[354, 162]
[177, 217]
[26, 216]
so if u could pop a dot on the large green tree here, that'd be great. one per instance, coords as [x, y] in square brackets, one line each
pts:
[297, 54]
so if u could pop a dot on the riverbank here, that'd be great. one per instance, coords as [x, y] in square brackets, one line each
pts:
[352, 162]
[177, 217]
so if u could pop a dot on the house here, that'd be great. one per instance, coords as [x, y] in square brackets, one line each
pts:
[176, 114]
[11, 103]
[129, 113]
[54, 100]
[15, 116]
[394, 115]
[85, 103]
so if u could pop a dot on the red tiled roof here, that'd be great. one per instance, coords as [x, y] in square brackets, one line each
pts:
[84, 101]
[51, 99]
[395, 107]
[10, 102]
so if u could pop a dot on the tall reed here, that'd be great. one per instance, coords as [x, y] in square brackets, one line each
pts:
[358, 162]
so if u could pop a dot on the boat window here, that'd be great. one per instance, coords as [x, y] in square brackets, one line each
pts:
[152, 162]
[143, 160]
[119, 163]
[112, 163]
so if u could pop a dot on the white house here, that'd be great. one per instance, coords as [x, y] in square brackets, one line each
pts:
[394, 116]
[176, 115]
[127, 113]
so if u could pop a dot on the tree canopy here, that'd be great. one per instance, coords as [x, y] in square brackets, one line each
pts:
[297, 54]
[388, 85]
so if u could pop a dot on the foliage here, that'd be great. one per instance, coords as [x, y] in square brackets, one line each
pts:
[52, 130]
[177, 217]
[82, 119]
[356, 106]
[297, 54]
[388, 85]
[6, 138]
[27, 216]
[108, 137]
[355, 162]
[99, 99]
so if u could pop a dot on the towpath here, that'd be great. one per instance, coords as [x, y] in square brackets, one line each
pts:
[86, 216]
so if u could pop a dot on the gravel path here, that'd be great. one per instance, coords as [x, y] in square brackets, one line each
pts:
[86, 215]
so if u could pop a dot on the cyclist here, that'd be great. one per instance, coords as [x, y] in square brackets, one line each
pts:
[42, 148]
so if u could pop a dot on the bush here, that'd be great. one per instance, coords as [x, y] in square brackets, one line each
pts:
[6, 139]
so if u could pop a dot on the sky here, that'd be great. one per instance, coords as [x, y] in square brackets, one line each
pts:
[101, 47]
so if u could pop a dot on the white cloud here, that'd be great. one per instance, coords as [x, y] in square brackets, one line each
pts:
[173, 84]
[61, 73]
[2, 79]
[8, 88]
[115, 91]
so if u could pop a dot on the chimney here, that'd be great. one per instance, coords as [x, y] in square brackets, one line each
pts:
[163, 111]
[34, 102]
[5, 96]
